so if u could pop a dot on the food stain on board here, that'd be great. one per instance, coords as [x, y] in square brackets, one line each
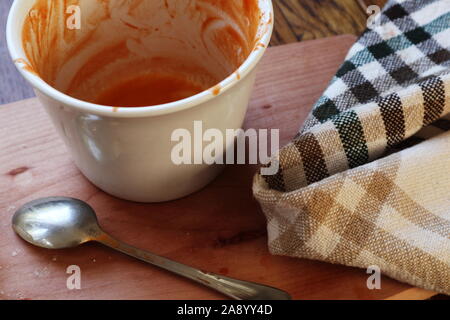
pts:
[224, 271]
[17, 171]
[239, 237]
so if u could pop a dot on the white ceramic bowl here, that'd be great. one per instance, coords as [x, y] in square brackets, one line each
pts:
[126, 151]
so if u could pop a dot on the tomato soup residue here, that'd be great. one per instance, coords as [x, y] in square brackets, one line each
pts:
[140, 52]
[148, 90]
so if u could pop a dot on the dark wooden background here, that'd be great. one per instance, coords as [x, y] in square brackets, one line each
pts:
[296, 20]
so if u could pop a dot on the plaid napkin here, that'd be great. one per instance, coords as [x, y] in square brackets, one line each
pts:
[367, 180]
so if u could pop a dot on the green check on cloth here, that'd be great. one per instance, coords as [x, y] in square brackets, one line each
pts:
[367, 180]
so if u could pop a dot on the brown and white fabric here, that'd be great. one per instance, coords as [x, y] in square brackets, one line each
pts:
[367, 179]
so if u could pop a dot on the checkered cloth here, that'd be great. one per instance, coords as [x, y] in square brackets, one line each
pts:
[367, 180]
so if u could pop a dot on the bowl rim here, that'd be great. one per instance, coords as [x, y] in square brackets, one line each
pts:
[16, 52]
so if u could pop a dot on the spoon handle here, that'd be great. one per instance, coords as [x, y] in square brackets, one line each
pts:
[233, 288]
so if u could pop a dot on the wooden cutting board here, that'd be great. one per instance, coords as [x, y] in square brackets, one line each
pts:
[220, 229]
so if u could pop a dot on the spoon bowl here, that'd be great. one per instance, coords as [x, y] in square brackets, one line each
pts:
[56, 223]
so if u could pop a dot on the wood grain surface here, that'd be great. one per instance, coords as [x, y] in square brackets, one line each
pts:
[298, 20]
[224, 234]
[295, 20]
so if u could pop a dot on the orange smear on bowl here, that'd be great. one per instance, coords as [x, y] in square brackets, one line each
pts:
[148, 90]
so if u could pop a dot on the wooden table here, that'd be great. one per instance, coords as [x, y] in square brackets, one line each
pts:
[299, 20]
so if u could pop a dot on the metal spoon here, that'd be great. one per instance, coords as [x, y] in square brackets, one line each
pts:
[59, 223]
